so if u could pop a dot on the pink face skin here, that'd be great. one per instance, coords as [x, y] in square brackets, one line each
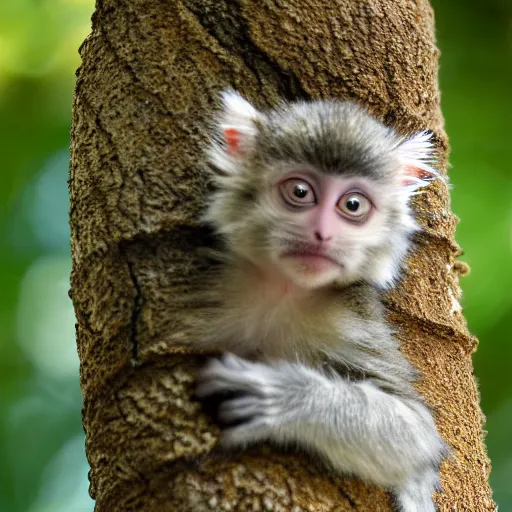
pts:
[325, 207]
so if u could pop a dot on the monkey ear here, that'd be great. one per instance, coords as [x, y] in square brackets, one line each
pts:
[237, 123]
[417, 156]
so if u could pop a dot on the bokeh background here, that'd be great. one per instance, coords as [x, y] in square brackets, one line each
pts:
[42, 462]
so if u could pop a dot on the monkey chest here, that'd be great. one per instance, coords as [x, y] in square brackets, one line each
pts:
[284, 328]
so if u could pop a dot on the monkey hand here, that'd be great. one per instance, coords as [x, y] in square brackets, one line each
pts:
[290, 403]
[255, 399]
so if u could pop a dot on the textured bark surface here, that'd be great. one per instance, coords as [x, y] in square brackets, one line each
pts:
[150, 75]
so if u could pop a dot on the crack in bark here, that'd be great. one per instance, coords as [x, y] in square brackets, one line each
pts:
[134, 77]
[138, 301]
[347, 496]
[98, 123]
[231, 30]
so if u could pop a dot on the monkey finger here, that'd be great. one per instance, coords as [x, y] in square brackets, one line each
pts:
[208, 387]
[217, 378]
[237, 363]
[245, 434]
[212, 365]
[239, 409]
[217, 383]
[211, 379]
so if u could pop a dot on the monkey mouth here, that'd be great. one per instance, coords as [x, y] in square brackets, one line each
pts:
[311, 259]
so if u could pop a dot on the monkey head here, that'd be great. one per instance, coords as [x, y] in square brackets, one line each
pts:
[316, 192]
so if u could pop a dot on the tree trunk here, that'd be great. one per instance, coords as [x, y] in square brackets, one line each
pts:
[146, 90]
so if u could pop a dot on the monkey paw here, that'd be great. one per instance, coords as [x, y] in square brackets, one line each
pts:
[252, 399]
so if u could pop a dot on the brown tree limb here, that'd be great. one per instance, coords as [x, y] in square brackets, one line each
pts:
[145, 92]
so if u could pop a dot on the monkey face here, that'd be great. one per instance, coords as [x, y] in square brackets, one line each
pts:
[318, 229]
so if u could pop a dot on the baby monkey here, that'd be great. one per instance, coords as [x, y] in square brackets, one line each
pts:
[311, 202]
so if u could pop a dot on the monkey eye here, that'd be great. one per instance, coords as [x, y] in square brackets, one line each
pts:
[297, 192]
[354, 205]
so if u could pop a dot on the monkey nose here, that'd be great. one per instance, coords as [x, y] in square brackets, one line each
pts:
[322, 237]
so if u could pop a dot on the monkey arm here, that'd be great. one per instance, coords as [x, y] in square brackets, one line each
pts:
[355, 426]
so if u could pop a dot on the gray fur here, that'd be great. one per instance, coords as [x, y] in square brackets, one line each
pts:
[317, 368]
[339, 138]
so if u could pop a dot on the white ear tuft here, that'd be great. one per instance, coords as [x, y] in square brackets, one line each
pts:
[237, 122]
[235, 132]
[417, 157]
[237, 110]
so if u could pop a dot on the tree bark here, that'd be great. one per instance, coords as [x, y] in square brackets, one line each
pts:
[145, 92]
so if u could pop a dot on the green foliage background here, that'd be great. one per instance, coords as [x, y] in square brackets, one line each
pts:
[43, 467]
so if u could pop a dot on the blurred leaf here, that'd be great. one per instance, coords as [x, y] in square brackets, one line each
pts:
[65, 483]
[46, 320]
[34, 428]
[39, 218]
[36, 36]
